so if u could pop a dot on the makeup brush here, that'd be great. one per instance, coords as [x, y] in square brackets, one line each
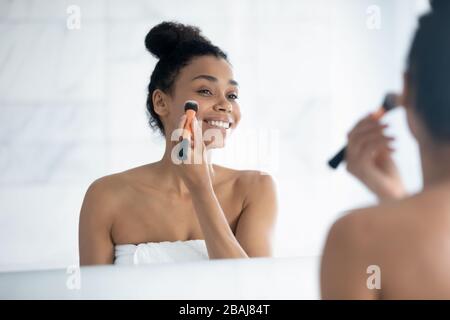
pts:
[190, 109]
[391, 101]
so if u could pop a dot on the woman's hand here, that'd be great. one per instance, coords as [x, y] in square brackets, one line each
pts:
[195, 171]
[369, 159]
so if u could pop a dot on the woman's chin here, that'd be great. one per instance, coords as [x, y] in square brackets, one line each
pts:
[215, 145]
[215, 138]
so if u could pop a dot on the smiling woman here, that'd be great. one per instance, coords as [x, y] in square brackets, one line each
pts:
[163, 211]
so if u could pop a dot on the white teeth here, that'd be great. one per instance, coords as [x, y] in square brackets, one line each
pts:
[220, 124]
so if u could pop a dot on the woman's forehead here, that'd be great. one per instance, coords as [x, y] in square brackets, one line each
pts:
[207, 65]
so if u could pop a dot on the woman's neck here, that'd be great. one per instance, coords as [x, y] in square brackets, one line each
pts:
[435, 165]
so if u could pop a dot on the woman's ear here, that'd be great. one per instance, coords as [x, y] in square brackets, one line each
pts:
[406, 94]
[160, 104]
[407, 102]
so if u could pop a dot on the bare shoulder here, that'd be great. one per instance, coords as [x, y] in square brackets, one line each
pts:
[104, 196]
[390, 235]
[115, 186]
[347, 254]
[244, 177]
[107, 187]
[379, 226]
[355, 227]
[248, 181]
[365, 224]
[361, 234]
[96, 220]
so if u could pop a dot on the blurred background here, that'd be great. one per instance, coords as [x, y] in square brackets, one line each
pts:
[72, 106]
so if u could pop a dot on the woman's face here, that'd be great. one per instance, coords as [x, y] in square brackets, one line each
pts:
[209, 81]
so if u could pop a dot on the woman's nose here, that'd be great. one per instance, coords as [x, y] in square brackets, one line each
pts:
[223, 107]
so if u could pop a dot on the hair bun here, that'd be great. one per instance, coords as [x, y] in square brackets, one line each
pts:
[440, 6]
[163, 39]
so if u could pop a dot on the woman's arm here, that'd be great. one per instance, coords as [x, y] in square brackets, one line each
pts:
[257, 218]
[255, 225]
[257, 221]
[95, 243]
[220, 240]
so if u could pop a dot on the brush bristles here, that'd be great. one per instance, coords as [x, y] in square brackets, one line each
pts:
[191, 105]
[391, 101]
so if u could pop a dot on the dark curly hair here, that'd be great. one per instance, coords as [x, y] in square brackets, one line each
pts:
[429, 70]
[175, 45]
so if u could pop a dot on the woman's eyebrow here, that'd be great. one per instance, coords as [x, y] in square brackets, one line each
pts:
[214, 79]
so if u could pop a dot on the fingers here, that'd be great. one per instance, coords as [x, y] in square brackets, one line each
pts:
[198, 135]
[181, 125]
[366, 129]
[197, 130]
[182, 122]
[369, 157]
[366, 124]
[368, 140]
[365, 141]
[375, 145]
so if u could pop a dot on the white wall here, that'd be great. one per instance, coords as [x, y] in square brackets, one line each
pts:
[72, 106]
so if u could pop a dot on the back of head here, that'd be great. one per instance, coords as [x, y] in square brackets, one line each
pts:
[429, 70]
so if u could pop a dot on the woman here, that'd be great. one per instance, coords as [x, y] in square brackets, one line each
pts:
[165, 211]
[400, 249]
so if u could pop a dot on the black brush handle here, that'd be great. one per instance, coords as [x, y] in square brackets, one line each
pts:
[337, 159]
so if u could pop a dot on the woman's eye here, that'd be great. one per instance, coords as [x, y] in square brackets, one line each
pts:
[205, 92]
[232, 96]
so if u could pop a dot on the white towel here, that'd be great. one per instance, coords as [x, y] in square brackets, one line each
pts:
[160, 252]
